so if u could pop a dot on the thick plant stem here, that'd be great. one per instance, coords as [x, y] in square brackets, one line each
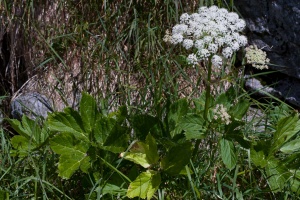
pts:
[207, 90]
[207, 101]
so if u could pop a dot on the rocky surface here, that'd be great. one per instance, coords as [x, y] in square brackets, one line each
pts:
[285, 88]
[32, 105]
[274, 25]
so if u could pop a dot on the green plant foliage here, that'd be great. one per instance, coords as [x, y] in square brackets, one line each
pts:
[291, 147]
[113, 189]
[142, 124]
[143, 153]
[4, 195]
[145, 185]
[72, 153]
[179, 148]
[286, 128]
[258, 158]
[240, 109]
[176, 158]
[68, 121]
[88, 112]
[32, 135]
[80, 131]
[193, 126]
[228, 153]
[176, 111]
[276, 155]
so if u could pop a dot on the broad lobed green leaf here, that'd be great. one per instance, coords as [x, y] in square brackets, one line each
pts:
[192, 125]
[145, 185]
[68, 121]
[73, 154]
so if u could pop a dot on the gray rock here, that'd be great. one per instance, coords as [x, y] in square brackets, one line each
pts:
[289, 89]
[255, 87]
[274, 25]
[285, 89]
[33, 105]
[256, 119]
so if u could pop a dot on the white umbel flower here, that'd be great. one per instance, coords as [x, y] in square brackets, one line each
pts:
[217, 61]
[179, 29]
[256, 57]
[187, 43]
[177, 38]
[213, 48]
[235, 46]
[232, 17]
[211, 31]
[192, 59]
[184, 18]
[203, 54]
[199, 44]
[220, 113]
[227, 52]
[242, 40]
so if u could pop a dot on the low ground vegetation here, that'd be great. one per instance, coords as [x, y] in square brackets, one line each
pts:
[156, 118]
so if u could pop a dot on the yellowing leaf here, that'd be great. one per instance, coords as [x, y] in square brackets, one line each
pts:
[138, 158]
[145, 185]
[143, 153]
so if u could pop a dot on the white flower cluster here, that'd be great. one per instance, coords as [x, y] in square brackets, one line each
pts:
[211, 31]
[220, 112]
[256, 57]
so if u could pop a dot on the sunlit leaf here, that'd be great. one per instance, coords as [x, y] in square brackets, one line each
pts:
[291, 146]
[72, 154]
[145, 185]
[138, 158]
[68, 121]
[27, 128]
[143, 153]
[155, 182]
